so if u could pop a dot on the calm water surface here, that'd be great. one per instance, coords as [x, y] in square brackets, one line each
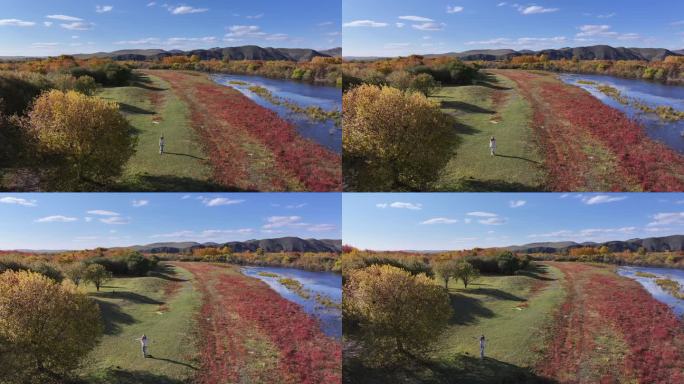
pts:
[303, 94]
[650, 93]
[658, 293]
[324, 283]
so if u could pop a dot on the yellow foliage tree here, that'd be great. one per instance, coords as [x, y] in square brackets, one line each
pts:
[46, 328]
[393, 140]
[87, 135]
[398, 314]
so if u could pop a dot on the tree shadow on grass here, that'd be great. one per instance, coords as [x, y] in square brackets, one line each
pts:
[133, 110]
[165, 183]
[463, 129]
[459, 369]
[466, 107]
[537, 271]
[118, 376]
[143, 81]
[173, 362]
[113, 317]
[184, 155]
[128, 296]
[475, 185]
[518, 158]
[492, 292]
[467, 310]
[166, 272]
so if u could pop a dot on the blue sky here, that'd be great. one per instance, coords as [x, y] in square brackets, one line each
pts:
[49, 27]
[393, 28]
[86, 221]
[464, 221]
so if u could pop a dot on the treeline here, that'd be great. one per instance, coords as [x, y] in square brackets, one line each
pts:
[310, 261]
[320, 70]
[603, 255]
[376, 154]
[45, 107]
[668, 71]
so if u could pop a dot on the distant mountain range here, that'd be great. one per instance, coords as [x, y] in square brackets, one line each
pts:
[286, 244]
[248, 52]
[597, 52]
[651, 244]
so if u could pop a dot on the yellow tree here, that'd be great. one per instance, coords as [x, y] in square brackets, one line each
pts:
[46, 328]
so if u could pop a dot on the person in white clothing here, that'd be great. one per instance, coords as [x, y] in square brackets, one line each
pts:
[143, 344]
[161, 145]
[483, 343]
[492, 146]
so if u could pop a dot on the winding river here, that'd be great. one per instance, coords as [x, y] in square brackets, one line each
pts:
[650, 93]
[649, 284]
[305, 95]
[325, 284]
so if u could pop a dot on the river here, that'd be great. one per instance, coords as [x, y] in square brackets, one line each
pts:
[305, 95]
[326, 284]
[650, 93]
[649, 284]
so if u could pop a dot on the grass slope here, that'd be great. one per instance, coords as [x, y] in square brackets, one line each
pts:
[153, 109]
[491, 108]
[511, 311]
[163, 307]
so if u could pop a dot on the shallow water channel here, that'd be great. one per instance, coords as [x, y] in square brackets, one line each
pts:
[646, 92]
[305, 95]
[325, 284]
[650, 285]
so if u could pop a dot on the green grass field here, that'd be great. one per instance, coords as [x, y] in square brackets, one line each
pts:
[154, 109]
[491, 108]
[511, 311]
[151, 306]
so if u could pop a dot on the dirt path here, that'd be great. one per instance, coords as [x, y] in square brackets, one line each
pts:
[609, 329]
[589, 146]
[252, 335]
[251, 147]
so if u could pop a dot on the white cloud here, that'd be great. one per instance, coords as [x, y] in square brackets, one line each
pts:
[521, 42]
[115, 220]
[101, 212]
[492, 221]
[585, 234]
[16, 23]
[206, 234]
[439, 220]
[252, 31]
[140, 203]
[219, 201]
[429, 26]
[382, 205]
[103, 8]
[517, 203]
[56, 219]
[321, 228]
[501, 4]
[88, 219]
[400, 25]
[48, 23]
[185, 197]
[44, 45]
[411, 206]
[667, 218]
[601, 199]
[364, 23]
[152, 4]
[467, 220]
[606, 16]
[64, 18]
[78, 26]
[451, 9]
[295, 206]
[591, 30]
[535, 9]
[283, 221]
[415, 18]
[18, 201]
[184, 10]
[482, 214]
[259, 16]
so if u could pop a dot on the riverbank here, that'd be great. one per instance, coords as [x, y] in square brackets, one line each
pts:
[250, 147]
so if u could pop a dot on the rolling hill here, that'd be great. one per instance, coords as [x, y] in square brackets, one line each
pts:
[286, 244]
[651, 244]
[248, 52]
[597, 52]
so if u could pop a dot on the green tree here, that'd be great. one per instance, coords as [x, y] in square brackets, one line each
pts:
[75, 272]
[425, 84]
[87, 136]
[46, 328]
[85, 85]
[507, 263]
[446, 270]
[96, 274]
[466, 273]
[398, 314]
[260, 252]
[392, 151]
